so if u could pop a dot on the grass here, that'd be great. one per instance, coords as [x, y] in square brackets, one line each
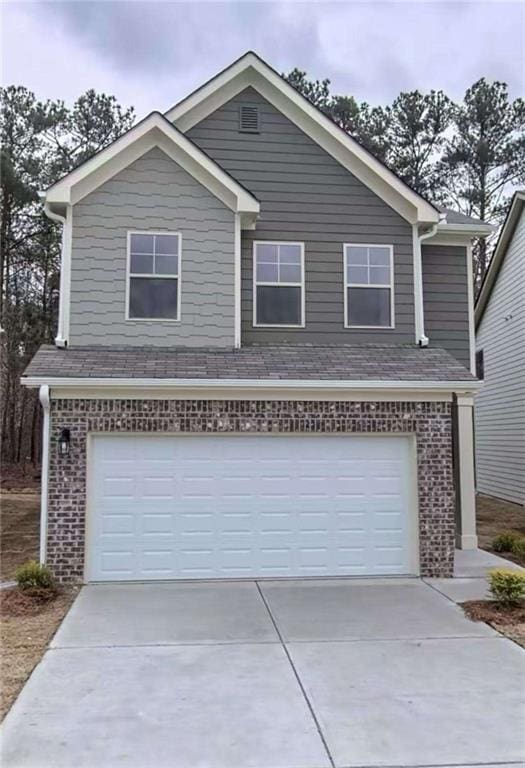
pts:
[495, 516]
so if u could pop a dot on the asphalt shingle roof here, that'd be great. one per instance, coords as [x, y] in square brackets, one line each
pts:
[331, 363]
[455, 217]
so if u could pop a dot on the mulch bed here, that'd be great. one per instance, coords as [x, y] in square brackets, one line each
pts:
[25, 602]
[509, 621]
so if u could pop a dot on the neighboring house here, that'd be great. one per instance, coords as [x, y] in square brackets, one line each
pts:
[500, 357]
[264, 354]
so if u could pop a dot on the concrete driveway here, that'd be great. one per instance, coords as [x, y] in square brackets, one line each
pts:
[307, 674]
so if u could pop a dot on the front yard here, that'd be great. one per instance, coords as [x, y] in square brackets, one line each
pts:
[25, 631]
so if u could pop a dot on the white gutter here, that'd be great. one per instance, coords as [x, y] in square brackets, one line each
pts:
[237, 282]
[44, 399]
[61, 339]
[253, 384]
[421, 339]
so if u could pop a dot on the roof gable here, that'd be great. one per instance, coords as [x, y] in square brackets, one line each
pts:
[252, 71]
[153, 131]
[515, 212]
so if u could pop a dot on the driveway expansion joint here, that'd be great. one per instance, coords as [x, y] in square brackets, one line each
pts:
[296, 674]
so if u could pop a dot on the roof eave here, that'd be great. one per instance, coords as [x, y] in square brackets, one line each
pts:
[507, 230]
[254, 384]
[424, 212]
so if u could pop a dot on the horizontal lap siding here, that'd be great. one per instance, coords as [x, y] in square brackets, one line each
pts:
[307, 196]
[155, 194]
[500, 406]
[445, 296]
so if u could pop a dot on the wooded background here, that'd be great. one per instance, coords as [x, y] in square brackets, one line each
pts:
[468, 156]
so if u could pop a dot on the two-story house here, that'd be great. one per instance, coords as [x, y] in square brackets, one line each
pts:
[264, 359]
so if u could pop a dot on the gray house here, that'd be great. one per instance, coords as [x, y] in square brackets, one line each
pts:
[264, 361]
[500, 355]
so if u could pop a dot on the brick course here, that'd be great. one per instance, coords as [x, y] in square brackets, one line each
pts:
[430, 421]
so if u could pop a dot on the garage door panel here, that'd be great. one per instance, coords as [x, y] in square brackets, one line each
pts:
[166, 507]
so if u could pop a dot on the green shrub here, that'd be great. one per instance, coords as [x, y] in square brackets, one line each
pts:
[507, 587]
[518, 548]
[505, 541]
[33, 574]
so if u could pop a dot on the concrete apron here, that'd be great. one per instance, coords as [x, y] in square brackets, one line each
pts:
[303, 674]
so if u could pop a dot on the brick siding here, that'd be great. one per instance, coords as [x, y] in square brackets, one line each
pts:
[429, 421]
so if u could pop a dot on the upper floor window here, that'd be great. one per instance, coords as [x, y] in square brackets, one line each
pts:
[153, 276]
[369, 286]
[480, 364]
[278, 285]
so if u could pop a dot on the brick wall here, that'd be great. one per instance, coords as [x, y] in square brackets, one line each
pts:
[430, 421]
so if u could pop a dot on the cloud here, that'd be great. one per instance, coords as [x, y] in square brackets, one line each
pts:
[151, 54]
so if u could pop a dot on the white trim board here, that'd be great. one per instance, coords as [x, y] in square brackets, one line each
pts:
[153, 131]
[263, 385]
[252, 71]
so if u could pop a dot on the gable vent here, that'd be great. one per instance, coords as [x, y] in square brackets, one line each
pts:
[248, 119]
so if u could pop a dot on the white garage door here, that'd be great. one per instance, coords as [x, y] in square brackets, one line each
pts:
[227, 506]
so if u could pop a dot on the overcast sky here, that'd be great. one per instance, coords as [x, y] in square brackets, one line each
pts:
[151, 54]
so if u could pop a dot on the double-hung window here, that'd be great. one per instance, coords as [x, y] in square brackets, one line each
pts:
[369, 286]
[153, 276]
[278, 286]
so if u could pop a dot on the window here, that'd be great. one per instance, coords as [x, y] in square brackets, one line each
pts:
[278, 286]
[153, 276]
[480, 365]
[368, 290]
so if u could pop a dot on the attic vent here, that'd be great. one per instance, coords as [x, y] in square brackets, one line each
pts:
[248, 119]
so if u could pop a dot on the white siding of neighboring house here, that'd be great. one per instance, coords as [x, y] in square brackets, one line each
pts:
[500, 406]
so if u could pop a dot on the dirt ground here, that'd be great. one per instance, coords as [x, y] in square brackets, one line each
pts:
[19, 530]
[495, 516]
[24, 640]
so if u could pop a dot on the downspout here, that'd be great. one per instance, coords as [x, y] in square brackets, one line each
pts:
[417, 239]
[44, 400]
[61, 337]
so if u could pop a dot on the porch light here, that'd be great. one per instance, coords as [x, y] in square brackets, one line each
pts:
[63, 441]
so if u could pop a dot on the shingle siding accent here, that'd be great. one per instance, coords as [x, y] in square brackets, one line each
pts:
[361, 363]
[152, 194]
[445, 299]
[429, 421]
[307, 196]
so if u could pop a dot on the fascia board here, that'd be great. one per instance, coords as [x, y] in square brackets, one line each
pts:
[250, 70]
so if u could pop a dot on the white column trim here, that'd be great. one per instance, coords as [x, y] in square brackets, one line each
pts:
[466, 537]
[45, 401]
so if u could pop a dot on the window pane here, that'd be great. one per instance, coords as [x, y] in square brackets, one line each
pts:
[379, 275]
[141, 243]
[150, 297]
[141, 263]
[368, 306]
[166, 265]
[357, 275]
[290, 273]
[278, 305]
[267, 273]
[266, 252]
[290, 254]
[356, 255]
[168, 244]
[380, 257]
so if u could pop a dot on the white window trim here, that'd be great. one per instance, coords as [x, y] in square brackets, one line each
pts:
[347, 285]
[177, 277]
[300, 285]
